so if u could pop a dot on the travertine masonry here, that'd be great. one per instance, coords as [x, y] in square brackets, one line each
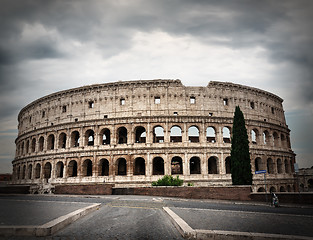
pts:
[131, 133]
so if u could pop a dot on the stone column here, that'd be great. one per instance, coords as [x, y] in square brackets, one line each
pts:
[186, 167]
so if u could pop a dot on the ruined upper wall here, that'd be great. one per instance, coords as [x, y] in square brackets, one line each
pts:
[150, 98]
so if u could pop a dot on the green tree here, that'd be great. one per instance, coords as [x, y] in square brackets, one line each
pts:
[240, 156]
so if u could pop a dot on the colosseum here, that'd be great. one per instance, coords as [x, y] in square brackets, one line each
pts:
[130, 133]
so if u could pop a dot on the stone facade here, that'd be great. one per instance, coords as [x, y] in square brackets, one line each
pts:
[131, 133]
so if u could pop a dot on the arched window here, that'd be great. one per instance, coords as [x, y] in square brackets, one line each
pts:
[72, 168]
[30, 171]
[194, 165]
[283, 140]
[19, 172]
[210, 135]
[266, 137]
[272, 189]
[282, 189]
[105, 136]
[62, 140]
[193, 134]
[37, 170]
[212, 165]
[121, 166]
[122, 135]
[287, 167]
[177, 165]
[291, 166]
[90, 137]
[47, 170]
[226, 134]
[254, 136]
[228, 165]
[33, 147]
[176, 134]
[258, 164]
[59, 169]
[22, 148]
[50, 142]
[87, 168]
[158, 166]
[279, 166]
[140, 166]
[270, 166]
[289, 188]
[275, 139]
[41, 142]
[75, 139]
[24, 172]
[158, 134]
[140, 136]
[103, 167]
[27, 146]
[261, 189]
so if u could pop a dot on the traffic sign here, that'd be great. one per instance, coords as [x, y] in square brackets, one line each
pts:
[261, 171]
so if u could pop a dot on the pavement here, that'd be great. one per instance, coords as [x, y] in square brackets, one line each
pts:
[145, 217]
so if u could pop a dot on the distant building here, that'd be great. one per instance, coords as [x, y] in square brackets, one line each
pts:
[305, 177]
[5, 178]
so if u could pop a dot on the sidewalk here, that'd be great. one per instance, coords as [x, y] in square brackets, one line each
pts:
[39, 218]
[196, 223]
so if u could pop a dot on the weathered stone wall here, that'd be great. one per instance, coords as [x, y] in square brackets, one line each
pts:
[226, 193]
[84, 189]
[111, 133]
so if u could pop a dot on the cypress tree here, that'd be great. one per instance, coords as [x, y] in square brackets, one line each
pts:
[240, 156]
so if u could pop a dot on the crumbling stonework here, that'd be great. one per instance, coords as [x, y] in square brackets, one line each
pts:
[132, 133]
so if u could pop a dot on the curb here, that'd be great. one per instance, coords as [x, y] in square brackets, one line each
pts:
[50, 227]
[189, 233]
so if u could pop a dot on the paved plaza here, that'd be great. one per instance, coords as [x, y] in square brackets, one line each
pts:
[144, 217]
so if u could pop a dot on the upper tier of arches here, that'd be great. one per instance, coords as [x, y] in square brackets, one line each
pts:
[150, 99]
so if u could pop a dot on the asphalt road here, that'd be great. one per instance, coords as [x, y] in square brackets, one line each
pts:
[142, 217]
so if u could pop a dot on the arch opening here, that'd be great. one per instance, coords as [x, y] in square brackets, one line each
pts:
[193, 134]
[87, 168]
[62, 140]
[177, 165]
[212, 165]
[121, 166]
[72, 168]
[47, 170]
[226, 134]
[140, 166]
[50, 142]
[158, 134]
[103, 167]
[90, 137]
[140, 136]
[122, 135]
[176, 134]
[75, 136]
[228, 165]
[158, 166]
[59, 169]
[37, 170]
[105, 136]
[194, 165]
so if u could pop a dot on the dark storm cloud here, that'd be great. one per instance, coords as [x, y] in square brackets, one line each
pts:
[281, 27]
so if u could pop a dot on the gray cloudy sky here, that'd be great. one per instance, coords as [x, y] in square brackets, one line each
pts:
[47, 46]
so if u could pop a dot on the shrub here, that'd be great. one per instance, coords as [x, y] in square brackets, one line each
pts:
[168, 181]
[190, 184]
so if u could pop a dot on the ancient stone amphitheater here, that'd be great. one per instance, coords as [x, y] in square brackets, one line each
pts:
[130, 133]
